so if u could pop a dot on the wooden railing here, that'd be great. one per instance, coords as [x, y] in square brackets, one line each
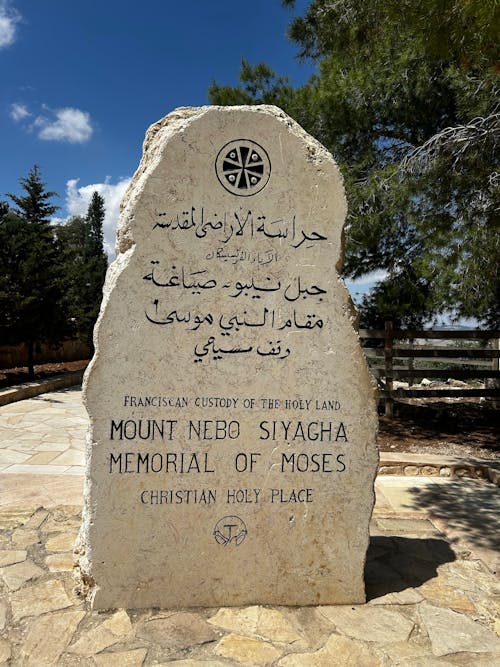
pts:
[393, 353]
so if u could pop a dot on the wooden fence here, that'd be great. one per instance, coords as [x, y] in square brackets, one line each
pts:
[391, 354]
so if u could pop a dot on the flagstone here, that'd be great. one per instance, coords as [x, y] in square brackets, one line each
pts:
[69, 523]
[26, 469]
[51, 446]
[15, 576]
[407, 650]
[61, 542]
[60, 562]
[471, 575]
[190, 662]
[372, 624]
[48, 636]
[75, 470]
[404, 597]
[32, 517]
[3, 615]
[179, 630]
[9, 556]
[5, 651]
[39, 599]
[259, 621]
[41, 458]
[451, 632]
[116, 628]
[247, 650]
[134, 658]
[444, 596]
[25, 537]
[10, 456]
[337, 652]
[25, 446]
[427, 661]
[70, 457]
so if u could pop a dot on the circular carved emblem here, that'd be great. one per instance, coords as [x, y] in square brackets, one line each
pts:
[243, 167]
[230, 530]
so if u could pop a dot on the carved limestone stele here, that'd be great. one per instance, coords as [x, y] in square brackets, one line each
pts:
[231, 453]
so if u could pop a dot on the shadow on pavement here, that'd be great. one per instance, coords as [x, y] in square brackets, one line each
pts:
[65, 390]
[394, 564]
[44, 399]
[470, 506]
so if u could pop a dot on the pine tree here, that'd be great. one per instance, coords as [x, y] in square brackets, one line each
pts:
[95, 221]
[34, 206]
[406, 99]
[96, 262]
[85, 264]
[31, 280]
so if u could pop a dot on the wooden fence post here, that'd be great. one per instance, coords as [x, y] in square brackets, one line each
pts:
[388, 345]
[495, 367]
[495, 363]
[411, 362]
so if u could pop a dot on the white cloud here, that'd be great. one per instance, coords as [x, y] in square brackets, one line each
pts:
[9, 18]
[19, 112]
[369, 278]
[78, 199]
[66, 124]
[364, 284]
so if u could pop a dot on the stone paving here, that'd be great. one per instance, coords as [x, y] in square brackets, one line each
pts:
[44, 434]
[428, 606]
[433, 596]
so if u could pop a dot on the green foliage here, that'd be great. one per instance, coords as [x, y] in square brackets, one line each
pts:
[34, 206]
[51, 276]
[260, 86]
[96, 262]
[30, 279]
[95, 220]
[406, 98]
[409, 291]
[84, 262]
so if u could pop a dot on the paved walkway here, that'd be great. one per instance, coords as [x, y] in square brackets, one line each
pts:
[45, 434]
[434, 600]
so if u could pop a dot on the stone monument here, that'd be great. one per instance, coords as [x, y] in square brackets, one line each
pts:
[231, 453]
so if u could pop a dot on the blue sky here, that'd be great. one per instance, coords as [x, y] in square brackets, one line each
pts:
[81, 82]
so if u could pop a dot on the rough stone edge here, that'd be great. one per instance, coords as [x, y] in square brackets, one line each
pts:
[84, 583]
[154, 146]
[151, 157]
[31, 389]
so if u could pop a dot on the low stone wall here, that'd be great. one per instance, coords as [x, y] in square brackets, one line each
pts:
[428, 465]
[30, 389]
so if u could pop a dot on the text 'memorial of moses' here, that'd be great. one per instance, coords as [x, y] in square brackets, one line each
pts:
[231, 451]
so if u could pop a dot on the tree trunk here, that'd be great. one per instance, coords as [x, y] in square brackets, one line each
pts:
[31, 359]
